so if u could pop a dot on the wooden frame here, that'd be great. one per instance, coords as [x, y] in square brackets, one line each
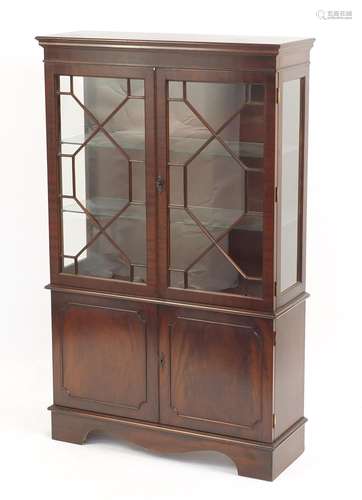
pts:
[216, 298]
[172, 369]
[298, 72]
[53, 114]
[192, 323]
[69, 312]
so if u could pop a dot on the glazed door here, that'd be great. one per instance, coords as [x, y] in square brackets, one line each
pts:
[216, 172]
[101, 177]
[105, 356]
[216, 373]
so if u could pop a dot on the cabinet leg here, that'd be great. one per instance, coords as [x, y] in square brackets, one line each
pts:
[69, 429]
[252, 459]
[252, 463]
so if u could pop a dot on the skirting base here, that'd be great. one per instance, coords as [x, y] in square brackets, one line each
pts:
[252, 459]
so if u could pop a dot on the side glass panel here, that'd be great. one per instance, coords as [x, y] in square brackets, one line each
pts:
[215, 176]
[290, 184]
[102, 174]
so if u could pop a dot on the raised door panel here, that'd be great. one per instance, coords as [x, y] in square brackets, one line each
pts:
[216, 373]
[101, 160]
[105, 356]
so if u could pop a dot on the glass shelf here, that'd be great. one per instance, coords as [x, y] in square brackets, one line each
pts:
[181, 148]
[213, 218]
[126, 139]
[132, 143]
[217, 219]
[247, 149]
[103, 207]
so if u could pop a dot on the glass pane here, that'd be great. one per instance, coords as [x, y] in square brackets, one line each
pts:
[100, 95]
[137, 88]
[67, 175]
[177, 279]
[186, 239]
[138, 182]
[256, 94]
[128, 231]
[68, 265]
[105, 172]
[175, 90]
[216, 161]
[176, 185]
[187, 133]
[215, 183]
[102, 171]
[223, 276]
[290, 184]
[74, 232]
[75, 126]
[103, 259]
[127, 129]
[225, 99]
[64, 84]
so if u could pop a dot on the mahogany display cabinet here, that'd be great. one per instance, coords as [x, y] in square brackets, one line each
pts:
[177, 201]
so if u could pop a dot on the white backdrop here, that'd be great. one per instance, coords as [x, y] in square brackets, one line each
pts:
[34, 466]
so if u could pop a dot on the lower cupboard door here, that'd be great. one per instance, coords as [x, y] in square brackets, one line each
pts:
[105, 356]
[216, 373]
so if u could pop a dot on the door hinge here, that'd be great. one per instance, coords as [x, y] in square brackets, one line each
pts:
[162, 360]
[275, 288]
[274, 338]
[276, 194]
[274, 420]
[277, 95]
[160, 183]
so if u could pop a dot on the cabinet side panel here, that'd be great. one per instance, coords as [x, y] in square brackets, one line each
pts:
[291, 183]
[289, 368]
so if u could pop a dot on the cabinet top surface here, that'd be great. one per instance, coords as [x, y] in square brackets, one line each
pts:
[253, 43]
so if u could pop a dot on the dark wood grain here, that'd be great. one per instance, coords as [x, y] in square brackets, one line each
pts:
[247, 247]
[239, 53]
[105, 356]
[217, 373]
[289, 368]
[178, 370]
[280, 50]
[189, 305]
[252, 458]
[55, 232]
